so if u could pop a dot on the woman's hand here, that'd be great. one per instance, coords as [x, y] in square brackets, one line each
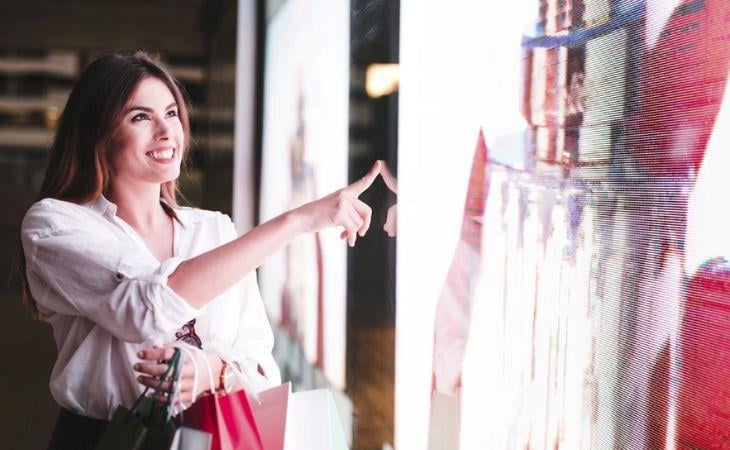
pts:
[341, 208]
[153, 365]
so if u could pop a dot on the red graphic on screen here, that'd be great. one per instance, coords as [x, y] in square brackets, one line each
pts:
[454, 305]
[453, 316]
[704, 396]
[681, 88]
[476, 196]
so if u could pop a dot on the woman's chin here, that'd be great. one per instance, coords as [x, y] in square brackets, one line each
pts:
[170, 175]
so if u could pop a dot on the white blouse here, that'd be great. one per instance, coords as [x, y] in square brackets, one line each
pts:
[106, 297]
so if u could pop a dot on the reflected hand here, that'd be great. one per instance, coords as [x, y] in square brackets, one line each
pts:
[341, 208]
[391, 222]
[153, 365]
[389, 179]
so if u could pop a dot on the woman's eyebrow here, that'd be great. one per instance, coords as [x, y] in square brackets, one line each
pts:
[144, 108]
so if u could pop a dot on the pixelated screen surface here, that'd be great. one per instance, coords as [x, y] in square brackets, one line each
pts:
[588, 296]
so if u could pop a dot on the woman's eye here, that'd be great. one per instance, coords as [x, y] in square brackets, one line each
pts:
[172, 113]
[139, 117]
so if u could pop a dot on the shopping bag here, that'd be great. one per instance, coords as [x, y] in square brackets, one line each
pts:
[228, 419]
[305, 420]
[147, 425]
[231, 424]
[312, 422]
[124, 432]
[269, 411]
[191, 439]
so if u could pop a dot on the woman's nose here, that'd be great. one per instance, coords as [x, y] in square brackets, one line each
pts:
[163, 129]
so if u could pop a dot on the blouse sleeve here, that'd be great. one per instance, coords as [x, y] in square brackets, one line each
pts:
[251, 350]
[76, 269]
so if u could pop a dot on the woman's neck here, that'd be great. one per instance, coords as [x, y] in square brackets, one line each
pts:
[139, 206]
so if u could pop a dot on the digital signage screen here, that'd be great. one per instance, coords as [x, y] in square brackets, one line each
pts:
[585, 300]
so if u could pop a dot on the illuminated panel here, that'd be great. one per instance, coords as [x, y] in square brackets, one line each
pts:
[598, 319]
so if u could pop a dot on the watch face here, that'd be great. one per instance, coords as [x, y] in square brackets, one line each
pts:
[228, 379]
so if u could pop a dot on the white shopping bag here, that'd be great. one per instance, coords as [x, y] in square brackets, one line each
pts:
[313, 422]
[191, 439]
[305, 420]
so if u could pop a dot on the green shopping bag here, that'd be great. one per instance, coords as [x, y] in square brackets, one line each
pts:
[147, 426]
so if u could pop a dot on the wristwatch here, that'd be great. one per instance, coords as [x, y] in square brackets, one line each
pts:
[228, 375]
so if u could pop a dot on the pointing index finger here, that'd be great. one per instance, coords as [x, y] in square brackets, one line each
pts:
[364, 183]
[389, 179]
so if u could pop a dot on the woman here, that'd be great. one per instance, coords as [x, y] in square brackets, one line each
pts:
[120, 271]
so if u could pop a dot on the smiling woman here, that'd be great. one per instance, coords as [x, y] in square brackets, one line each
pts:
[121, 272]
[149, 136]
[145, 151]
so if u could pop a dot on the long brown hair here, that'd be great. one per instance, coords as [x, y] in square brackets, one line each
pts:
[78, 169]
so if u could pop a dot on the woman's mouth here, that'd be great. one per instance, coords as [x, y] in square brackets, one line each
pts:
[163, 155]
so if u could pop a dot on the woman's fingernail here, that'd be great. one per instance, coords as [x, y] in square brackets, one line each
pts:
[139, 378]
[136, 367]
[140, 354]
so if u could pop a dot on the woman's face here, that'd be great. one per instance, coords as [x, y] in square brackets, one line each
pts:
[148, 141]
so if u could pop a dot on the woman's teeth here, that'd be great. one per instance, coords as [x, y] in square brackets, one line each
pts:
[162, 154]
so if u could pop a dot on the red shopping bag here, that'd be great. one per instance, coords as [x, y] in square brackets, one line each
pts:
[228, 418]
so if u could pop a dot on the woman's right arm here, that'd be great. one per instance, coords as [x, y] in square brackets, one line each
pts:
[201, 279]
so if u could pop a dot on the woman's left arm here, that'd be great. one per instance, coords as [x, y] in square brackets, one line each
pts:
[250, 350]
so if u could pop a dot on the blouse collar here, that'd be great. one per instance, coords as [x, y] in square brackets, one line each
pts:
[102, 206]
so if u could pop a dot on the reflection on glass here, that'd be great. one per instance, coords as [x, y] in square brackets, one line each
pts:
[391, 220]
[304, 142]
[454, 308]
[576, 319]
[304, 273]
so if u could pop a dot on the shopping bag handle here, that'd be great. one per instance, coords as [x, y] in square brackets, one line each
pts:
[206, 363]
[186, 350]
[213, 392]
[245, 380]
[173, 367]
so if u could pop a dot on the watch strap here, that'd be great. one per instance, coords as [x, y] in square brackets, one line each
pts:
[222, 377]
